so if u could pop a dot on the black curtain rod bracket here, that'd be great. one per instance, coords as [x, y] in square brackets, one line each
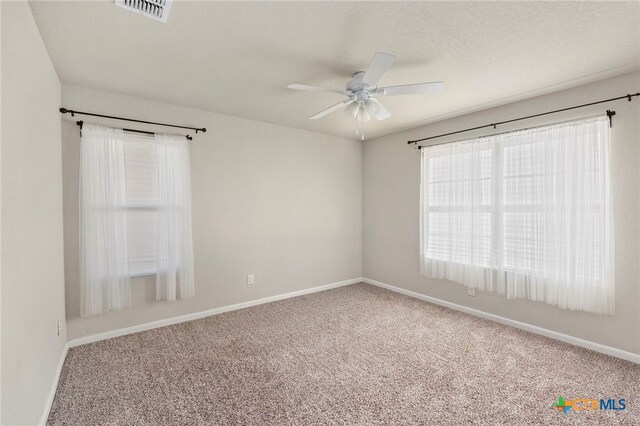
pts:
[610, 114]
[73, 113]
[80, 123]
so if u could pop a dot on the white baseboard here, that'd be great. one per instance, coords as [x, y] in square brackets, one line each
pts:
[54, 386]
[608, 350]
[202, 314]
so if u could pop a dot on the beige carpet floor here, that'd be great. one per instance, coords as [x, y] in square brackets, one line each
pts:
[354, 355]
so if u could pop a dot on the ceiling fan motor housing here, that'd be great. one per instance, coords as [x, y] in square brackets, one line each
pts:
[355, 84]
[358, 91]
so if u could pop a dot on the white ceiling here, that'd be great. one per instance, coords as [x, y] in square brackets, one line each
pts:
[238, 57]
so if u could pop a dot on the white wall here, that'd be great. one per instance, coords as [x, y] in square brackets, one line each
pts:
[32, 241]
[280, 203]
[391, 213]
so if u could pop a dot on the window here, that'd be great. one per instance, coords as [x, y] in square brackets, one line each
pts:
[135, 217]
[526, 213]
[141, 171]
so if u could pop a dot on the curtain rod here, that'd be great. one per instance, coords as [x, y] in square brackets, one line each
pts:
[73, 112]
[475, 138]
[609, 113]
[80, 123]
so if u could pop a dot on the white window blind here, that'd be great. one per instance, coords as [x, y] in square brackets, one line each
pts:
[525, 213]
[142, 203]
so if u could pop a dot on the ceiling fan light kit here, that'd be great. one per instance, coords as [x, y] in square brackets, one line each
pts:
[362, 90]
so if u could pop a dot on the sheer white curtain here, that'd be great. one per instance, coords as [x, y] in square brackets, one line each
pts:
[174, 278]
[104, 264]
[135, 217]
[527, 214]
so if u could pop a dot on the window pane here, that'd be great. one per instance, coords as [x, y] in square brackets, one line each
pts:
[142, 236]
[141, 169]
[141, 181]
[460, 237]
[459, 202]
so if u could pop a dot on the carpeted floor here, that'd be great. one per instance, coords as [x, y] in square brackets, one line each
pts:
[353, 355]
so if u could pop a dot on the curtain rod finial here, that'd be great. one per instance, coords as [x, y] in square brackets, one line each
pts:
[64, 110]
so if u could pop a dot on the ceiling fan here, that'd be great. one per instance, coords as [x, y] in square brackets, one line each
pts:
[362, 90]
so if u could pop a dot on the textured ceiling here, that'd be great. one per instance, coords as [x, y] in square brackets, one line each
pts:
[238, 57]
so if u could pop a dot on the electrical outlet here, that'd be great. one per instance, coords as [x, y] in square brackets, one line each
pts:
[250, 279]
[471, 291]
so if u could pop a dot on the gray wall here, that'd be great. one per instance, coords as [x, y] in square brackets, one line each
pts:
[283, 204]
[32, 244]
[391, 214]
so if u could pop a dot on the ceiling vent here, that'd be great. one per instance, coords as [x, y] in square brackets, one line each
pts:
[156, 9]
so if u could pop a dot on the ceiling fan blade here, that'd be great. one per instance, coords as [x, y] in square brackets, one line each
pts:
[309, 88]
[378, 67]
[413, 89]
[331, 109]
[381, 112]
